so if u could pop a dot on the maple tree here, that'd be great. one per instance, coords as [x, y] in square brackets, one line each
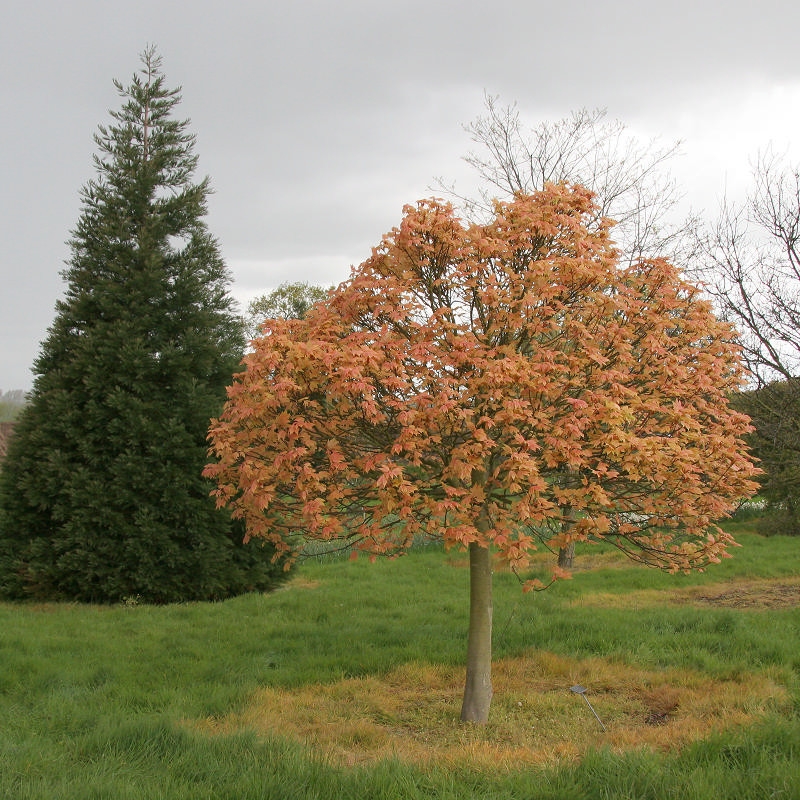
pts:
[499, 386]
[630, 179]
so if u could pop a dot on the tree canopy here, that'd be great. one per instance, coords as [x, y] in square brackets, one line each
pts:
[629, 178]
[503, 385]
[101, 493]
[288, 301]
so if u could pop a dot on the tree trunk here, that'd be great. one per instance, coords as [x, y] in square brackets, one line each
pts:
[566, 556]
[478, 687]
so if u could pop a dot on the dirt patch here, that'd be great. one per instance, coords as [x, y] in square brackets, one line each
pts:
[756, 594]
[752, 595]
[412, 713]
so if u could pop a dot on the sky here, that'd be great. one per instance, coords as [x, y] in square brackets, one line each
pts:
[317, 121]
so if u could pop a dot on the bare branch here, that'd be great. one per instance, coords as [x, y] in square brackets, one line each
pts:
[751, 264]
[630, 179]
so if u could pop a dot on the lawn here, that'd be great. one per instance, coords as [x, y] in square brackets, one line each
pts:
[346, 684]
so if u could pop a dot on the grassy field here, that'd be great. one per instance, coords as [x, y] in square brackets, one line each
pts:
[346, 684]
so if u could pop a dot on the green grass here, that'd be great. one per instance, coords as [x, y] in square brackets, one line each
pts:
[97, 702]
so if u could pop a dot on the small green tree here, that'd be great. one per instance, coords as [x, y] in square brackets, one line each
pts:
[288, 301]
[101, 493]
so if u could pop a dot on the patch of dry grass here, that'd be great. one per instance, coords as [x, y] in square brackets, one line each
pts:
[412, 713]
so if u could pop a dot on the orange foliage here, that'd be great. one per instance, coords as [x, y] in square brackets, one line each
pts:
[512, 372]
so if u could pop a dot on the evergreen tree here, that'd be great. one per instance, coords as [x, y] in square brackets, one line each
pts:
[101, 494]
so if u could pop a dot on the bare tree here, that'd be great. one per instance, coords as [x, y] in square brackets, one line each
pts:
[751, 266]
[630, 178]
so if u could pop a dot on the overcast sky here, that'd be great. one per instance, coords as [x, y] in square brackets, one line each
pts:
[318, 121]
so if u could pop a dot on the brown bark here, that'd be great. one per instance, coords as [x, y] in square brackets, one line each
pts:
[478, 687]
[566, 555]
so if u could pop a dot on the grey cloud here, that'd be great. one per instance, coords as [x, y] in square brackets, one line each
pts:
[316, 121]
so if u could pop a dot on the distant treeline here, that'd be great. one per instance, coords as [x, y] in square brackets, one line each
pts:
[11, 404]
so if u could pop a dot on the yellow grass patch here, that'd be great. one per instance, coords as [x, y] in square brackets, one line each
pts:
[413, 712]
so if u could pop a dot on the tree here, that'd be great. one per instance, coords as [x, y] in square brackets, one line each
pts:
[101, 492]
[630, 180]
[774, 410]
[288, 301]
[11, 403]
[751, 267]
[499, 386]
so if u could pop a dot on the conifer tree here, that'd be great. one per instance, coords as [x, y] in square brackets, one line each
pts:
[101, 495]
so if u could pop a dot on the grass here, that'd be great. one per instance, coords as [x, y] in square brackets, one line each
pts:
[346, 684]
